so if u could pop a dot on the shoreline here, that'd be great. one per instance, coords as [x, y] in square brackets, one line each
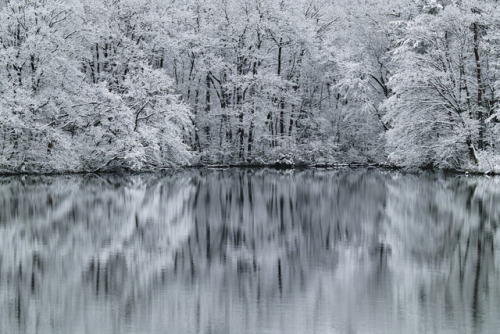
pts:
[275, 166]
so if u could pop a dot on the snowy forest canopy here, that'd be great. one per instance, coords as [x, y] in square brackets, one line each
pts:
[100, 85]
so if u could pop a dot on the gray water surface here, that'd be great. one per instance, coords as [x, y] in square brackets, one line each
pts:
[250, 251]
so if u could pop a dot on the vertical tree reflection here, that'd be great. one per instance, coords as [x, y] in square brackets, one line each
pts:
[449, 229]
[211, 251]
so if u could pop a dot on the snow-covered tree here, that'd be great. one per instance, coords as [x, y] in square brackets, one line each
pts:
[440, 100]
[79, 91]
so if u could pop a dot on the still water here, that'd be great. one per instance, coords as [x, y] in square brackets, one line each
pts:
[250, 251]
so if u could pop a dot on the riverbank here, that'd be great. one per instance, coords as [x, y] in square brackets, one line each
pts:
[278, 166]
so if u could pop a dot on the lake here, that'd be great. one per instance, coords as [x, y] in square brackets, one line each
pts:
[250, 251]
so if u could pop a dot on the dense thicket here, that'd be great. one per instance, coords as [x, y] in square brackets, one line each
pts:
[106, 84]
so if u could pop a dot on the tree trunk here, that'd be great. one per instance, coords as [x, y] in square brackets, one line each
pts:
[479, 87]
[281, 103]
[250, 140]
[207, 107]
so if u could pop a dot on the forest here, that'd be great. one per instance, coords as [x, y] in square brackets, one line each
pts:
[107, 85]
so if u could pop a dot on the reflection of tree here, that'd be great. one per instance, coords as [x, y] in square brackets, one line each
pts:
[447, 225]
[231, 250]
[109, 234]
[268, 218]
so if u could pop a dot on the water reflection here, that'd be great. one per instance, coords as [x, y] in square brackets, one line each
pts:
[250, 251]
